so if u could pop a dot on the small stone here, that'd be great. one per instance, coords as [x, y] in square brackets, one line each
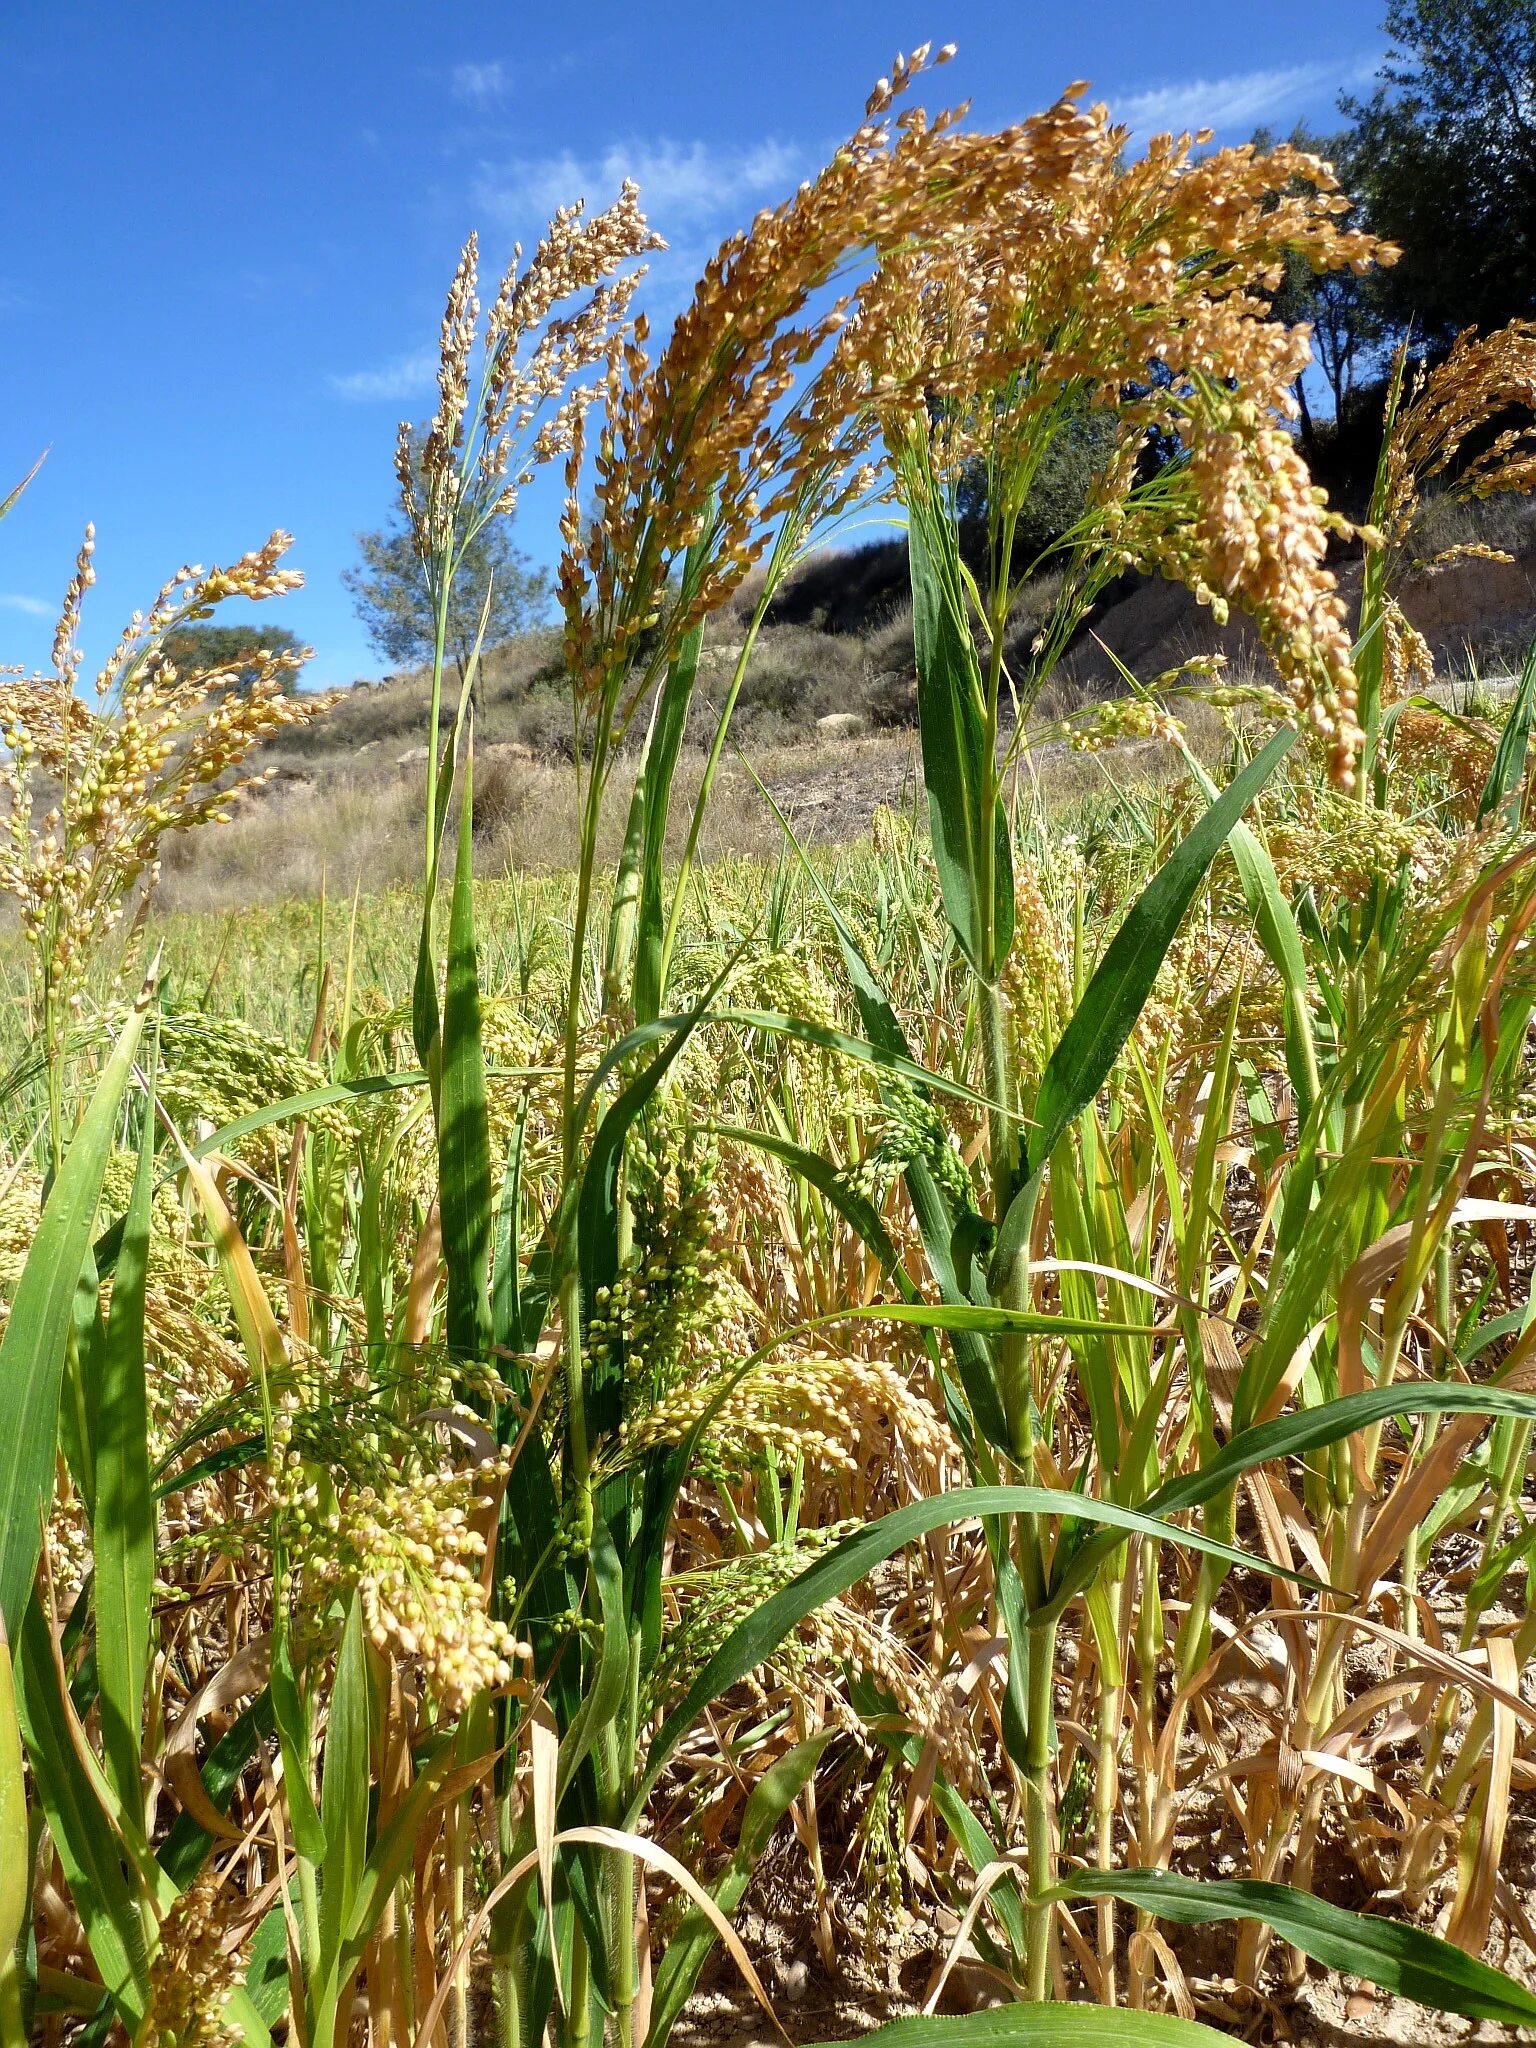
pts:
[792, 1978]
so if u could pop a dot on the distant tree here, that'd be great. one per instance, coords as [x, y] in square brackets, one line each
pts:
[1348, 318]
[390, 595]
[1444, 153]
[1058, 494]
[201, 649]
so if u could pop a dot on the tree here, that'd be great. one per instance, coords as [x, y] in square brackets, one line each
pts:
[199, 650]
[1348, 319]
[1445, 158]
[390, 595]
[1069, 470]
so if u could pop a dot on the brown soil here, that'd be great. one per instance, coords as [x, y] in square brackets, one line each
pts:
[1321, 2010]
[886, 1973]
[1462, 603]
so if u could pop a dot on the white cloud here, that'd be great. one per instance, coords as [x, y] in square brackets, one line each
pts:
[691, 188]
[34, 607]
[679, 182]
[406, 377]
[1242, 100]
[480, 85]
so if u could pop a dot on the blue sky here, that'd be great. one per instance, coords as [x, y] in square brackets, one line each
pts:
[227, 229]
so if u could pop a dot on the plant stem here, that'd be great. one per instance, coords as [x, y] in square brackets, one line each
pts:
[579, 2016]
[623, 1935]
[1141, 1586]
[1105, 1800]
[13, 2031]
[1039, 1816]
[439, 656]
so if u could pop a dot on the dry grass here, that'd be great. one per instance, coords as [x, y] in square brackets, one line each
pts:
[839, 639]
[320, 829]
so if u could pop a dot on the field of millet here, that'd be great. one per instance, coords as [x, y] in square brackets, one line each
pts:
[961, 1404]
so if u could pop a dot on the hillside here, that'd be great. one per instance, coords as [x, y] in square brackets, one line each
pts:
[837, 646]
[826, 717]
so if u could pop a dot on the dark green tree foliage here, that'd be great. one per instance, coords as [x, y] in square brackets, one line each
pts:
[390, 595]
[1350, 328]
[1071, 465]
[198, 650]
[1444, 160]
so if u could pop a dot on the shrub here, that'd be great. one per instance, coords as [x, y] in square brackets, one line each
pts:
[799, 673]
[890, 700]
[500, 788]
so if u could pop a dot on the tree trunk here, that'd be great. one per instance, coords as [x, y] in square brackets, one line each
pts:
[1308, 435]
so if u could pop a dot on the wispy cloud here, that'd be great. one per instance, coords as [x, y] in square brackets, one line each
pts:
[691, 182]
[692, 192]
[1242, 99]
[408, 376]
[480, 85]
[34, 607]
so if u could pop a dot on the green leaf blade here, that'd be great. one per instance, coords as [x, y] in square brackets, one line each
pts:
[844, 1564]
[1391, 1954]
[123, 1526]
[1042, 2026]
[1506, 777]
[37, 1330]
[463, 1130]
[344, 1787]
[971, 848]
[1117, 992]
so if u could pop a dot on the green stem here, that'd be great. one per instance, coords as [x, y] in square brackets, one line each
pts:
[711, 770]
[986, 892]
[1149, 1802]
[570, 1283]
[622, 1897]
[591, 815]
[1010, 1287]
[998, 1068]
[575, 1378]
[13, 2030]
[1106, 1802]
[1510, 1478]
[324, 2014]
[1039, 1805]
[53, 1053]
[309, 1924]
[579, 2015]
[504, 1922]
[439, 657]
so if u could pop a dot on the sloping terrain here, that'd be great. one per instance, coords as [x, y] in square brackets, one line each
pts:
[835, 656]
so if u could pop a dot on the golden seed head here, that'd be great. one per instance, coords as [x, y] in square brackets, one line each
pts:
[160, 751]
[1485, 377]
